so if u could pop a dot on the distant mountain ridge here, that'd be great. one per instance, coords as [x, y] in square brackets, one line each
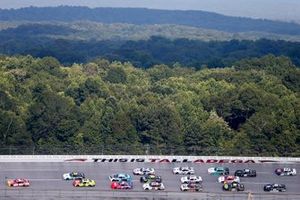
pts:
[143, 16]
[87, 30]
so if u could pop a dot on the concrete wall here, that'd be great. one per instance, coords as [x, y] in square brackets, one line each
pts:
[143, 158]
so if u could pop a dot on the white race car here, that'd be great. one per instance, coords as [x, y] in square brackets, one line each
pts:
[153, 186]
[286, 171]
[191, 179]
[183, 170]
[144, 171]
[228, 179]
[73, 176]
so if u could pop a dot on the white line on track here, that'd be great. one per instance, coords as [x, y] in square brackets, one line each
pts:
[255, 183]
[41, 179]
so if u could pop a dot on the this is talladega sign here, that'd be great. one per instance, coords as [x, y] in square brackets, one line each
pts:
[170, 159]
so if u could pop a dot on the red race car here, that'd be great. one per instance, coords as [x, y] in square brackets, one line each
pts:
[19, 182]
[121, 185]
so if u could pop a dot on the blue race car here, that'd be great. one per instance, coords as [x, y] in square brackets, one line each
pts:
[120, 177]
[218, 171]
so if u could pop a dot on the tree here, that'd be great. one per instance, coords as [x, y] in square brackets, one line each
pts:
[92, 87]
[52, 116]
[13, 134]
[116, 75]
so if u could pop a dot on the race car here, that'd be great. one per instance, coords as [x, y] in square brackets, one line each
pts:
[84, 183]
[228, 179]
[73, 176]
[19, 182]
[143, 171]
[191, 179]
[233, 186]
[153, 186]
[286, 171]
[191, 187]
[120, 177]
[218, 171]
[274, 188]
[245, 173]
[150, 177]
[183, 170]
[121, 185]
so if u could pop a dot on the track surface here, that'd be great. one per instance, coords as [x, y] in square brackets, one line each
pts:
[48, 177]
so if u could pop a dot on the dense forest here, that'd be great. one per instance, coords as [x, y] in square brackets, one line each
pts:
[201, 19]
[250, 108]
[31, 40]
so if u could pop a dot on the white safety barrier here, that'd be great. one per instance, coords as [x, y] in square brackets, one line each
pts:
[144, 158]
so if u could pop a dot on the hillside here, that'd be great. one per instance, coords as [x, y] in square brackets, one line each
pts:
[140, 16]
[70, 46]
[88, 30]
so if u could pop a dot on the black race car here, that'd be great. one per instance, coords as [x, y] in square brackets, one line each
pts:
[233, 186]
[274, 188]
[150, 178]
[245, 173]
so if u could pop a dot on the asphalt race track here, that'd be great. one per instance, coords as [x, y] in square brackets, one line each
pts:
[46, 181]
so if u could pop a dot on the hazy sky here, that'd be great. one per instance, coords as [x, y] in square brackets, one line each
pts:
[270, 9]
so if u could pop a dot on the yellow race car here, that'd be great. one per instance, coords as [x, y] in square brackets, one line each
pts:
[84, 183]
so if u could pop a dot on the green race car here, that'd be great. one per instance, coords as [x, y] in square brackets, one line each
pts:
[218, 171]
[234, 186]
[150, 178]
